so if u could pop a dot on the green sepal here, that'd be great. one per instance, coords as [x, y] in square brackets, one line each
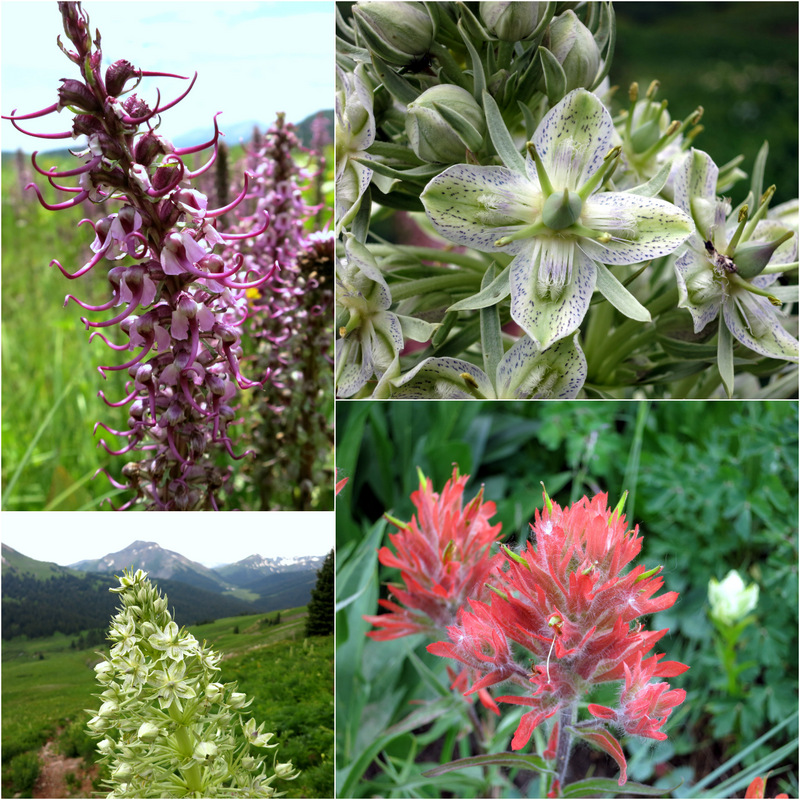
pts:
[619, 297]
[465, 130]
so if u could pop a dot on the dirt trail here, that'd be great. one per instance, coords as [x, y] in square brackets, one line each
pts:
[52, 780]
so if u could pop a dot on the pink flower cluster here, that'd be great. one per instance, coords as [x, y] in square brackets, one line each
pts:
[178, 302]
[571, 601]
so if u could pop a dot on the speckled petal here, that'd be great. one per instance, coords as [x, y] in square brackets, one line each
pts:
[573, 139]
[441, 378]
[696, 177]
[753, 321]
[642, 227]
[544, 319]
[361, 274]
[475, 206]
[690, 267]
[352, 369]
[527, 372]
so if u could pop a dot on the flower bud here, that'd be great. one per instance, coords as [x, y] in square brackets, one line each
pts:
[573, 45]
[123, 772]
[237, 700]
[284, 770]
[214, 692]
[730, 600]
[751, 257]
[205, 751]
[702, 288]
[147, 731]
[434, 138]
[78, 95]
[397, 32]
[117, 76]
[106, 746]
[511, 21]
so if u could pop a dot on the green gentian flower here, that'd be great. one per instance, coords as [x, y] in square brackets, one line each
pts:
[355, 132]
[524, 372]
[371, 336]
[723, 269]
[554, 220]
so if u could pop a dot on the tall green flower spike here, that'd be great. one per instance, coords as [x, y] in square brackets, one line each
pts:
[555, 220]
[732, 265]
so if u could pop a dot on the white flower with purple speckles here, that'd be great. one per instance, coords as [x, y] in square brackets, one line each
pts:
[732, 264]
[555, 222]
[523, 373]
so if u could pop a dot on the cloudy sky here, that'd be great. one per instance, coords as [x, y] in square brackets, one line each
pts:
[209, 538]
[253, 58]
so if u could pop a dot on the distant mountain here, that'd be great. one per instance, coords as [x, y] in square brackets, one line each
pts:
[40, 598]
[159, 564]
[253, 569]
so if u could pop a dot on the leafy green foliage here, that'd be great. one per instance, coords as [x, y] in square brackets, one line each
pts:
[713, 487]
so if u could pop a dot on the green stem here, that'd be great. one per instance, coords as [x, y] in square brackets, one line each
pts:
[564, 745]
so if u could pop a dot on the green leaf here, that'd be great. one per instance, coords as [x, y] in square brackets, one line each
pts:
[619, 296]
[478, 75]
[725, 356]
[500, 136]
[489, 295]
[395, 84]
[594, 786]
[513, 760]
[655, 184]
[555, 79]
[491, 334]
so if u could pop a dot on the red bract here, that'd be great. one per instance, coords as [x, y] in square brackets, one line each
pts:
[567, 601]
[443, 558]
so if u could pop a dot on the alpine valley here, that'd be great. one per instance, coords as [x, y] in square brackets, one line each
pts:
[40, 598]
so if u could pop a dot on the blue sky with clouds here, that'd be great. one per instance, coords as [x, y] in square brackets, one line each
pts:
[253, 58]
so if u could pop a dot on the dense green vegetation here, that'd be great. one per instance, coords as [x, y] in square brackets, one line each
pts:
[320, 608]
[47, 686]
[713, 487]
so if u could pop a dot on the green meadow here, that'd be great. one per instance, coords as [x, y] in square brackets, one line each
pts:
[47, 687]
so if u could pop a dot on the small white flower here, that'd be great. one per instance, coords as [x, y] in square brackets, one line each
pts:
[730, 601]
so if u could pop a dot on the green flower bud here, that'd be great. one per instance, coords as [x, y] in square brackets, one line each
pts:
[205, 751]
[434, 138]
[730, 601]
[147, 731]
[573, 45]
[285, 770]
[123, 772]
[561, 210]
[751, 257]
[399, 33]
[511, 21]
[237, 699]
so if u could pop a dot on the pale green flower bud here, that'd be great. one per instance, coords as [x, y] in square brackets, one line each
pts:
[147, 731]
[285, 770]
[214, 692]
[249, 763]
[730, 601]
[106, 746]
[399, 33]
[440, 137]
[104, 671]
[108, 709]
[205, 751]
[511, 21]
[573, 45]
[123, 772]
[237, 700]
